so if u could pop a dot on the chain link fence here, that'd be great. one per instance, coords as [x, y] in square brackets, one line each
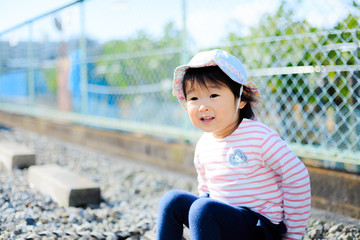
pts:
[100, 60]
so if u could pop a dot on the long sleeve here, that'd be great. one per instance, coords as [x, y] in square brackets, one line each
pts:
[295, 184]
[201, 177]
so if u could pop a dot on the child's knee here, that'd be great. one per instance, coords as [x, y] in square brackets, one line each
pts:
[172, 198]
[203, 207]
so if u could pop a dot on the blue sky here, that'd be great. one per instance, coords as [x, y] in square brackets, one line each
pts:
[13, 12]
[207, 21]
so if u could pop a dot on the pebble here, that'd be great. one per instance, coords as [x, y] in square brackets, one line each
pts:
[130, 195]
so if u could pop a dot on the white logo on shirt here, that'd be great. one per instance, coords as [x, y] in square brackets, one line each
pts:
[238, 158]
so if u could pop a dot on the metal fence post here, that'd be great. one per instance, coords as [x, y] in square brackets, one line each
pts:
[31, 80]
[83, 64]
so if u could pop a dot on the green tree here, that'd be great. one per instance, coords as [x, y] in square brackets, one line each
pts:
[343, 50]
[278, 41]
[140, 60]
[281, 41]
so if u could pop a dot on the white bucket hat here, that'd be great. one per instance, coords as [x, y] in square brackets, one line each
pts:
[229, 64]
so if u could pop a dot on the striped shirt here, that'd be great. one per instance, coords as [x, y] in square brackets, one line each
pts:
[253, 167]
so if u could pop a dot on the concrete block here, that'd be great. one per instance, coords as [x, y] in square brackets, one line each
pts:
[15, 155]
[63, 186]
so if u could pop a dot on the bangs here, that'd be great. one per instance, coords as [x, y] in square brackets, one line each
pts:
[205, 77]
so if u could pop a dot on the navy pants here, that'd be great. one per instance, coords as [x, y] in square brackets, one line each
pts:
[209, 219]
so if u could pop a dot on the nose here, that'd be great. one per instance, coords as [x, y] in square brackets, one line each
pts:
[203, 108]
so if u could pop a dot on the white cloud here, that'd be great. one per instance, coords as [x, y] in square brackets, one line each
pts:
[249, 13]
[322, 13]
[209, 25]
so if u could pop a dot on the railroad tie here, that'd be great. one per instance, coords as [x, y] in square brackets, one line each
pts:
[15, 155]
[63, 186]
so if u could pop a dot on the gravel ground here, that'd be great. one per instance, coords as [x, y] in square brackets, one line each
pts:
[130, 194]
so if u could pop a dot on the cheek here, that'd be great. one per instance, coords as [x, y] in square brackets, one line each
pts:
[227, 110]
[192, 112]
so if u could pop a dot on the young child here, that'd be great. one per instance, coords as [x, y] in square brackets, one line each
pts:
[251, 186]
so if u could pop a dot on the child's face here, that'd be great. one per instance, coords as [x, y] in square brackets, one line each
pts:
[212, 109]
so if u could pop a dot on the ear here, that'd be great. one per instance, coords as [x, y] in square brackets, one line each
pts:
[242, 104]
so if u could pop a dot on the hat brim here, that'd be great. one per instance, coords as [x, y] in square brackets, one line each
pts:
[225, 61]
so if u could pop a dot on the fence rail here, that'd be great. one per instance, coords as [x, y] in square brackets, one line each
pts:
[57, 64]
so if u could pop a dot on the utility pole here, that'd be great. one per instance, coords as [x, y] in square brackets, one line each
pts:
[83, 62]
[184, 42]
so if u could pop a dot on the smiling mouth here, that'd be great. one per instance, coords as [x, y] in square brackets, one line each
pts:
[205, 119]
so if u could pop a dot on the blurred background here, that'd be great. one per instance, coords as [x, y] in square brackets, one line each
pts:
[109, 64]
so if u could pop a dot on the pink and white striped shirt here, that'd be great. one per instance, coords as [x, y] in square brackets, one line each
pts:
[253, 167]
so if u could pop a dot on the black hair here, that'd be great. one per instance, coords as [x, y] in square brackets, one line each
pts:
[214, 76]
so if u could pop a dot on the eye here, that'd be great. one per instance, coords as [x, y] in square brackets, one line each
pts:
[193, 99]
[214, 95]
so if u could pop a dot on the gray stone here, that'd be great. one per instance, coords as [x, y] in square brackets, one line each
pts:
[314, 233]
[14, 155]
[64, 186]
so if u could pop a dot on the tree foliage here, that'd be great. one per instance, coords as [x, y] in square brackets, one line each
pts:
[138, 60]
[280, 40]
